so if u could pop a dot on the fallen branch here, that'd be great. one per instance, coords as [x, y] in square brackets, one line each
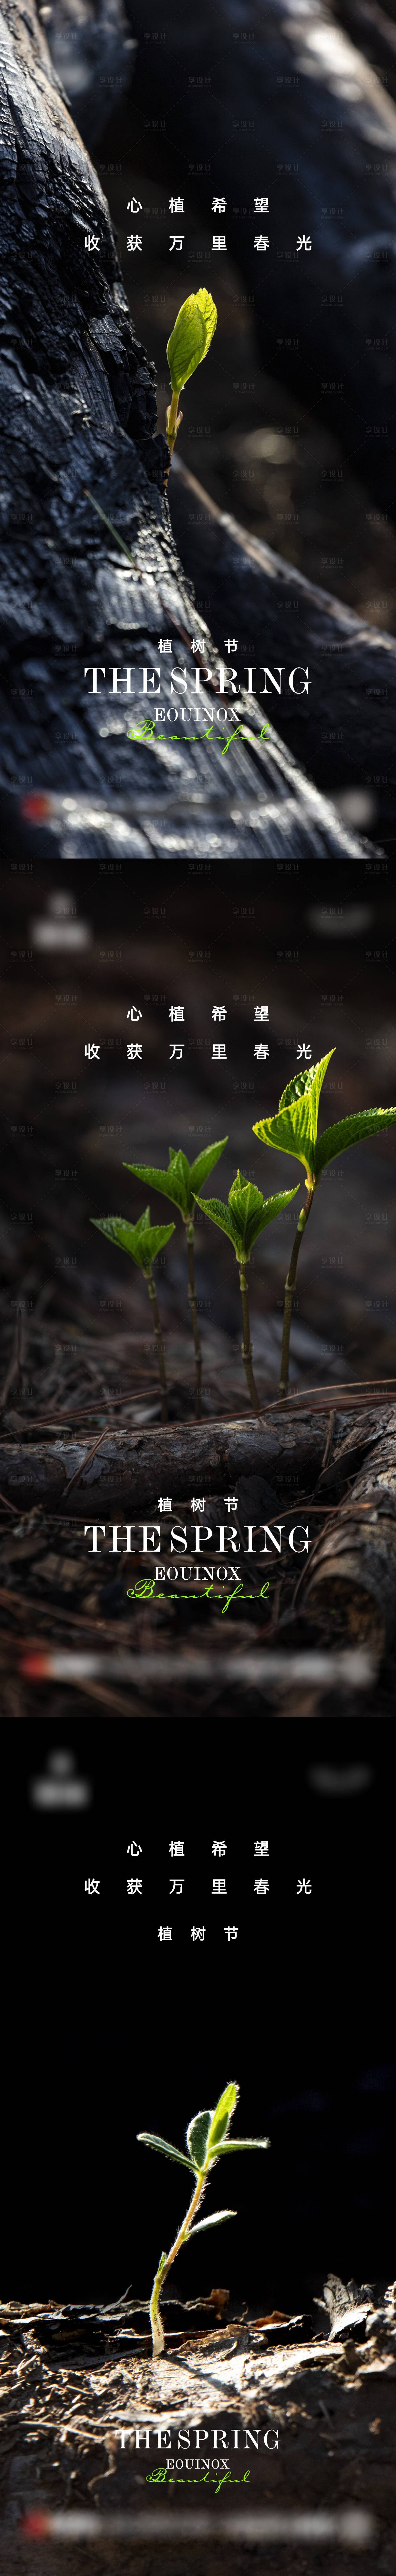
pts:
[131, 1468]
[350, 1585]
[369, 1439]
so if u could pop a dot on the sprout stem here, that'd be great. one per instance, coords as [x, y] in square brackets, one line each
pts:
[172, 424]
[247, 1352]
[192, 1298]
[160, 1346]
[165, 2266]
[172, 418]
[289, 1291]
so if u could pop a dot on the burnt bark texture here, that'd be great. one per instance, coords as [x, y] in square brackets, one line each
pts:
[345, 726]
[78, 410]
[374, 29]
[289, 104]
[92, 50]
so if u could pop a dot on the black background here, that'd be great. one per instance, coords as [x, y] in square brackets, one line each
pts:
[107, 2031]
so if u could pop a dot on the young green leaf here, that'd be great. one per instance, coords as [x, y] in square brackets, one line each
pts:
[191, 337]
[246, 1205]
[221, 2117]
[294, 1129]
[220, 1215]
[252, 1212]
[181, 1178]
[215, 2220]
[197, 2138]
[143, 1241]
[145, 2139]
[231, 2146]
[351, 1131]
[204, 1163]
[171, 1183]
[246, 1215]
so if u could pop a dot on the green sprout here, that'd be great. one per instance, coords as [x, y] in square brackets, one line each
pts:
[243, 1220]
[207, 2138]
[180, 1183]
[295, 1131]
[143, 1242]
[189, 343]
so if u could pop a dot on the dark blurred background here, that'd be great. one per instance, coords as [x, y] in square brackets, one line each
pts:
[108, 2031]
[249, 440]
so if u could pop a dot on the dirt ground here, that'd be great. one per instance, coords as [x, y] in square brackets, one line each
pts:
[70, 2388]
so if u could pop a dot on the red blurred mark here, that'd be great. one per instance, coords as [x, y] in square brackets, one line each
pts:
[35, 1667]
[36, 809]
[35, 2526]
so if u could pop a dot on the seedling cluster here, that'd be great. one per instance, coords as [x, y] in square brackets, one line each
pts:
[207, 2138]
[294, 1131]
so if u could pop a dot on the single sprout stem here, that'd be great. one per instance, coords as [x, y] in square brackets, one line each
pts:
[165, 2266]
[192, 1298]
[173, 419]
[159, 1342]
[247, 1352]
[289, 1291]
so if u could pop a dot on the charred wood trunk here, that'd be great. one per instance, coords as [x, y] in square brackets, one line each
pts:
[290, 104]
[374, 29]
[345, 728]
[78, 408]
[92, 50]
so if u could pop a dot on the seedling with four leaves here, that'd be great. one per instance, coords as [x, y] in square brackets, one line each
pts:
[295, 1131]
[207, 2138]
[243, 1220]
[180, 1184]
[143, 1242]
